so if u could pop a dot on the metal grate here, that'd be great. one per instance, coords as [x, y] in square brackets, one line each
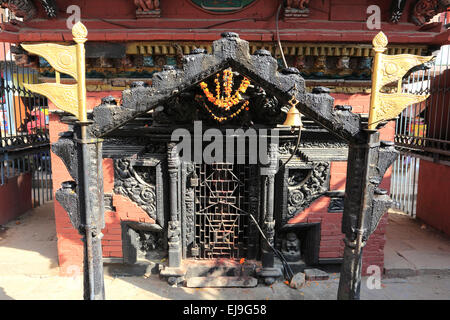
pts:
[222, 201]
[422, 130]
[24, 135]
[404, 183]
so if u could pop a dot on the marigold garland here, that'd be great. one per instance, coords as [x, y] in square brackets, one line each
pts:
[227, 101]
[231, 116]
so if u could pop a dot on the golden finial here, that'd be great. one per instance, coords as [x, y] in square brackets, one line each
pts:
[380, 42]
[79, 32]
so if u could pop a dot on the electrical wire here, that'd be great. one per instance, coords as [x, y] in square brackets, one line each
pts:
[295, 149]
[278, 35]
[287, 271]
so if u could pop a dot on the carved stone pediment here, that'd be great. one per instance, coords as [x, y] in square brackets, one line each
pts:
[193, 105]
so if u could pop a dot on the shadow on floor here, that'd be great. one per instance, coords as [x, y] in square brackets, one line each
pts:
[3, 295]
[28, 244]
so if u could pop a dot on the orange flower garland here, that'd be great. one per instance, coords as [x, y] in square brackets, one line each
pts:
[231, 116]
[229, 100]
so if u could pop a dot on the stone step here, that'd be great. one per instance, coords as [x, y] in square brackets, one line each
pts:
[221, 282]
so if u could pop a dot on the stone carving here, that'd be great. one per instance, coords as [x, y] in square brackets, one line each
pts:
[336, 204]
[303, 188]
[290, 247]
[27, 10]
[20, 8]
[138, 185]
[190, 205]
[265, 108]
[269, 231]
[22, 59]
[364, 67]
[173, 234]
[343, 66]
[147, 8]
[287, 148]
[296, 9]
[320, 66]
[151, 241]
[425, 10]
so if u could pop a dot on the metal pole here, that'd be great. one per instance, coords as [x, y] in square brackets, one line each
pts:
[362, 157]
[92, 262]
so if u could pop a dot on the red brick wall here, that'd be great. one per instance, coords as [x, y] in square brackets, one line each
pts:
[70, 246]
[331, 238]
[15, 197]
[331, 243]
[433, 201]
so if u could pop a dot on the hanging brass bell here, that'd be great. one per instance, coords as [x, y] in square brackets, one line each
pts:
[293, 118]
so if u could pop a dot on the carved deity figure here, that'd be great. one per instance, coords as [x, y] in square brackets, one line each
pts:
[364, 67]
[320, 66]
[343, 66]
[300, 63]
[291, 247]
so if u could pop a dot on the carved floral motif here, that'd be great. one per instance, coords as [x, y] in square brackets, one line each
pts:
[303, 188]
[138, 185]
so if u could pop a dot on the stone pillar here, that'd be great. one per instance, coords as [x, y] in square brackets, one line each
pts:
[174, 231]
[269, 272]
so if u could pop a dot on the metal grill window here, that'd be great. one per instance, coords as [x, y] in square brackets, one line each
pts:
[222, 201]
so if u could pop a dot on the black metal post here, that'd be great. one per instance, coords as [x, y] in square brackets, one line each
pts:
[92, 210]
[359, 193]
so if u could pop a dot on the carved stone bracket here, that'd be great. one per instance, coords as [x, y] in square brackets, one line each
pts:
[138, 186]
[304, 188]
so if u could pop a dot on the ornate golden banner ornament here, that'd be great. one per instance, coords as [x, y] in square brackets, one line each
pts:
[387, 69]
[69, 60]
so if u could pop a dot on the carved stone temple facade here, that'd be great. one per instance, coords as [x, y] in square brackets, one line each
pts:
[158, 206]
